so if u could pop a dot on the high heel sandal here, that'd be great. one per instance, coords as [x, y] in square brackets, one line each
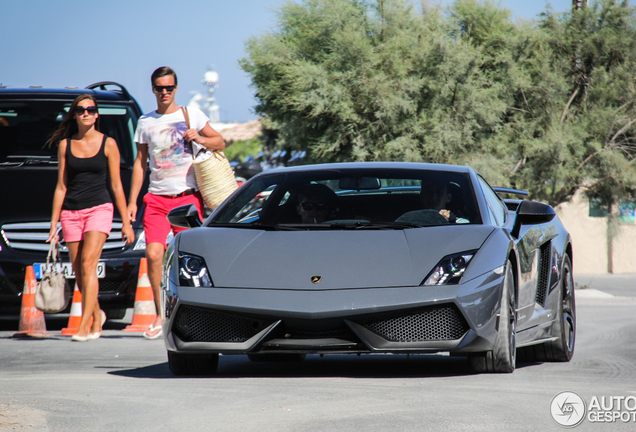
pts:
[97, 335]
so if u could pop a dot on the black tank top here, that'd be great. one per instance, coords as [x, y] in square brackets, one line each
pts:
[86, 179]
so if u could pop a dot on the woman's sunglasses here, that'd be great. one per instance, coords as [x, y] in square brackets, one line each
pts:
[91, 110]
[160, 89]
[309, 206]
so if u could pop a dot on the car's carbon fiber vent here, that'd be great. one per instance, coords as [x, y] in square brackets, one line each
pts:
[199, 325]
[430, 324]
[512, 205]
[543, 278]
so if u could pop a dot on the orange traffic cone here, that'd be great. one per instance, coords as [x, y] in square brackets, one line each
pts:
[76, 314]
[32, 322]
[145, 312]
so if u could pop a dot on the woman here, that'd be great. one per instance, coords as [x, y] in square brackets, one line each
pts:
[82, 204]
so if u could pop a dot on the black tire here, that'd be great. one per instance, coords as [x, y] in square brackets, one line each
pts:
[192, 364]
[280, 357]
[115, 314]
[564, 329]
[502, 359]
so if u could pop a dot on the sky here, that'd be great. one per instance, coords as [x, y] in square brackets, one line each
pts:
[60, 43]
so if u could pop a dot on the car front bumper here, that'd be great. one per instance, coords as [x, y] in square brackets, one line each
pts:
[455, 318]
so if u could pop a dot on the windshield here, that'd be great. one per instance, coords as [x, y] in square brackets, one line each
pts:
[26, 125]
[377, 198]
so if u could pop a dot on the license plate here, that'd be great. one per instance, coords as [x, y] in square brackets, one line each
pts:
[67, 269]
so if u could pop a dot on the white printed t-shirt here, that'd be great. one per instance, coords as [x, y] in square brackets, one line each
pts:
[170, 158]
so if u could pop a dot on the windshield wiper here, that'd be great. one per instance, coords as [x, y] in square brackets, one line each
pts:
[318, 226]
[375, 225]
[258, 226]
[349, 225]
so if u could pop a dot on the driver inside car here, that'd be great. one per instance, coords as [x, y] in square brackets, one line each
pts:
[316, 202]
[435, 197]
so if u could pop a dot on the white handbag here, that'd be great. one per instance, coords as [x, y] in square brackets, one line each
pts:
[50, 296]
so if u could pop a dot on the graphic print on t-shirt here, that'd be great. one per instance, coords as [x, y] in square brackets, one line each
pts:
[170, 161]
[171, 156]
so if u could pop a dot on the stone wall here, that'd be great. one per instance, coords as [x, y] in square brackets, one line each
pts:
[590, 242]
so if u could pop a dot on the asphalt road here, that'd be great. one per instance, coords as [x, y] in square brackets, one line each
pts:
[121, 382]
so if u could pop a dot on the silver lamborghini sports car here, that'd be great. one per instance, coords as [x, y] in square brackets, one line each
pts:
[369, 258]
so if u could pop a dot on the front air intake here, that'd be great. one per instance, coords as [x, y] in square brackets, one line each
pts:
[439, 323]
[193, 324]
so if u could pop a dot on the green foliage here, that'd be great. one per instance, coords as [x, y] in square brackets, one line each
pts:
[239, 150]
[546, 105]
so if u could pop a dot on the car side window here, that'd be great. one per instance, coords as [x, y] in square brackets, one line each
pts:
[497, 207]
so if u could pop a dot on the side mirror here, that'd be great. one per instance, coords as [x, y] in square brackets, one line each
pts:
[185, 216]
[532, 213]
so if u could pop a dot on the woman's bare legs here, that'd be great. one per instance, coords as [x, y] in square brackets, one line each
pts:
[84, 257]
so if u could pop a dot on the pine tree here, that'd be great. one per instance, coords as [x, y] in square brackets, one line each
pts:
[544, 105]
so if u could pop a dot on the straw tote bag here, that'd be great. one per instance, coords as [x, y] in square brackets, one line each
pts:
[51, 295]
[213, 172]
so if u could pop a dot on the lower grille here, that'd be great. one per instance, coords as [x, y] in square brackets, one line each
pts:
[199, 325]
[431, 324]
[105, 286]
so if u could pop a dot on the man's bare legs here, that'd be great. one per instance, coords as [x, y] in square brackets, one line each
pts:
[154, 254]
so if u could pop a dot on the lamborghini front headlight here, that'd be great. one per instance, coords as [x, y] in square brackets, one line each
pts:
[193, 271]
[450, 269]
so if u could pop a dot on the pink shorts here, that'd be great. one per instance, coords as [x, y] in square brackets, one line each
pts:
[156, 225]
[76, 222]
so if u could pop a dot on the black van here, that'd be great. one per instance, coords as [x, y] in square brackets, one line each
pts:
[28, 176]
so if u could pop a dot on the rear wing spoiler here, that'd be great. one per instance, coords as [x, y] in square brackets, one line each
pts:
[509, 191]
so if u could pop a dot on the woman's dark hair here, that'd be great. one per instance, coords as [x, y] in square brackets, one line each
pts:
[162, 72]
[68, 127]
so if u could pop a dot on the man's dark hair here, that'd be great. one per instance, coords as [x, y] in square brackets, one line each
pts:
[162, 72]
[318, 190]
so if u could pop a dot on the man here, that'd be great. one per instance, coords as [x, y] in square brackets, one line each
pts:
[163, 140]
[315, 203]
[435, 198]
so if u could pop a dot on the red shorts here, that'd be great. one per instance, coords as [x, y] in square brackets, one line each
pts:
[76, 222]
[156, 225]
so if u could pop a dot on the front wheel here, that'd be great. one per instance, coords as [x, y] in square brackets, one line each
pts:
[192, 364]
[564, 329]
[502, 359]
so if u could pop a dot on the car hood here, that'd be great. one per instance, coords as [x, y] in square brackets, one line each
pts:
[245, 258]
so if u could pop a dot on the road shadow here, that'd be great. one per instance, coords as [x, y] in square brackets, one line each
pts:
[328, 366]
